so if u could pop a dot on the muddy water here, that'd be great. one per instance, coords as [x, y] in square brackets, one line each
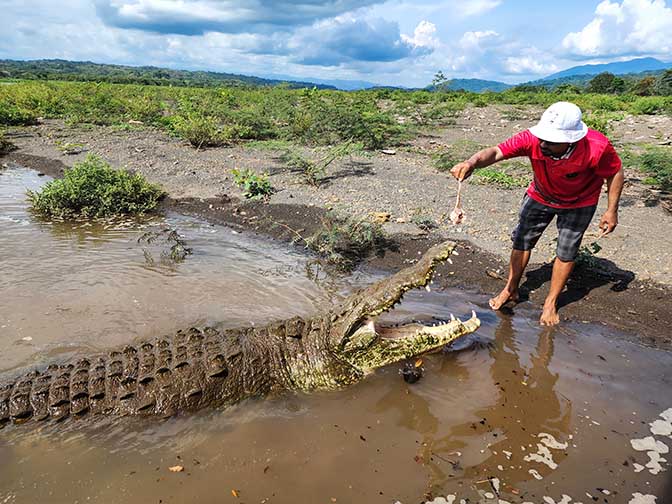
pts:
[536, 415]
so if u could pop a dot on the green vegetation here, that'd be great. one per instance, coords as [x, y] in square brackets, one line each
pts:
[345, 241]
[312, 171]
[424, 221]
[92, 188]
[120, 74]
[253, 185]
[500, 176]
[312, 117]
[657, 163]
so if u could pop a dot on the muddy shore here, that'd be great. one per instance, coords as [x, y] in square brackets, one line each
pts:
[607, 294]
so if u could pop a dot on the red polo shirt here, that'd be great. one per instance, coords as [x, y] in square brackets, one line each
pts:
[566, 183]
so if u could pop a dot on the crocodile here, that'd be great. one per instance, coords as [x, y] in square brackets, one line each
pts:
[209, 367]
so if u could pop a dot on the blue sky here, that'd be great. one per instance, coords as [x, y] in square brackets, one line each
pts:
[395, 42]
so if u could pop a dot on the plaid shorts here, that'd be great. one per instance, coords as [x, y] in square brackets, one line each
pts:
[534, 218]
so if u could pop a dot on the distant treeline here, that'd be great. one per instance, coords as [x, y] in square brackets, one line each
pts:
[146, 75]
[658, 83]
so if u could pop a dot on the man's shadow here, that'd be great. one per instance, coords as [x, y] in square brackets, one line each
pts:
[587, 275]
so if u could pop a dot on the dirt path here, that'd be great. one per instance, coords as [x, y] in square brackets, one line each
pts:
[628, 287]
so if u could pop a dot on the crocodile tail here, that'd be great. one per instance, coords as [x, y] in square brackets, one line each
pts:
[161, 378]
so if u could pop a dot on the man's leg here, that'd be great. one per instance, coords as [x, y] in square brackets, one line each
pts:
[517, 264]
[532, 221]
[572, 223]
[561, 271]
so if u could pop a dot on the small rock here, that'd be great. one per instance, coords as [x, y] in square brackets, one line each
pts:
[389, 152]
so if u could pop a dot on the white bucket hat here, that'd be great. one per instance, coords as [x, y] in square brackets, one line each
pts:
[560, 123]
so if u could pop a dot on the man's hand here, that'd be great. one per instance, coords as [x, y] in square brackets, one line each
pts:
[462, 170]
[608, 222]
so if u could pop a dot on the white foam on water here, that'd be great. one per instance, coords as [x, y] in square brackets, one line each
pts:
[535, 474]
[661, 427]
[667, 414]
[638, 498]
[542, 456]
[654, 449]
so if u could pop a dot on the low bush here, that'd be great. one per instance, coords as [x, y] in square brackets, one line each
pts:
[92, 188]
[253, 185]
[346, 241]
[198, 130]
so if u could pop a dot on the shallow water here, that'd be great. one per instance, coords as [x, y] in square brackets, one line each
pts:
[532, 413]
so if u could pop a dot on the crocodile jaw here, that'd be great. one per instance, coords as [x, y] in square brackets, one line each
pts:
[367, 350]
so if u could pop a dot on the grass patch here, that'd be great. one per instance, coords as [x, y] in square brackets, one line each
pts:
[508, 175]
[656, 162]
[92, 188]
[269, 145]
[346, 241]
[253, 185]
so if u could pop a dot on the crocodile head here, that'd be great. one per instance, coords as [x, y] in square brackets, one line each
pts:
[355, 337]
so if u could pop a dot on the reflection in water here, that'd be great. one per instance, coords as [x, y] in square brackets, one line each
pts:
[492, 440]
[526, 404]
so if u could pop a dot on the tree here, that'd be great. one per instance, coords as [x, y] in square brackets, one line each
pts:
[664, 83]
[606, 82]
[439, 80]
[567, 87]
[644, 87]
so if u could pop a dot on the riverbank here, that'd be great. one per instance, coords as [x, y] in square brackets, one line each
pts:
[627, 287]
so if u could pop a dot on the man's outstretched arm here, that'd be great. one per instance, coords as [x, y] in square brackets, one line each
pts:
[609, 219]
[481, 159]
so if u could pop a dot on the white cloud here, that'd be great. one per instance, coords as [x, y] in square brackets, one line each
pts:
[528, 65]
[423, 35]
[633, 27]
[478, 40]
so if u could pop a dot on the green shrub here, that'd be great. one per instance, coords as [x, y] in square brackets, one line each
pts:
[199, 131]
[648, 105]
[346, 241]
[12, 115]
[657, 163]
[253, 185]
[598, 122]
[92, 188]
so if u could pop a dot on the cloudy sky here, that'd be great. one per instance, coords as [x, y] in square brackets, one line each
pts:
[396, 42]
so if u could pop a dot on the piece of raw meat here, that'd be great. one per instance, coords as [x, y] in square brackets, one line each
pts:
[457, 215]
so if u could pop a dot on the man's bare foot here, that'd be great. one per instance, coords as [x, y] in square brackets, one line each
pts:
[549, 315]
[502, 298]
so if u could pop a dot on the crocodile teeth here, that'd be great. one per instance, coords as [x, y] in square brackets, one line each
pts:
[452, 317]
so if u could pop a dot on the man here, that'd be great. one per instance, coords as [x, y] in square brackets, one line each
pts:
[570, 164]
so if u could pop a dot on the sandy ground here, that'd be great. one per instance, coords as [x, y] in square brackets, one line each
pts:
[634, 272]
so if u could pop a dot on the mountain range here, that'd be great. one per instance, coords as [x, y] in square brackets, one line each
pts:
[77, 70]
